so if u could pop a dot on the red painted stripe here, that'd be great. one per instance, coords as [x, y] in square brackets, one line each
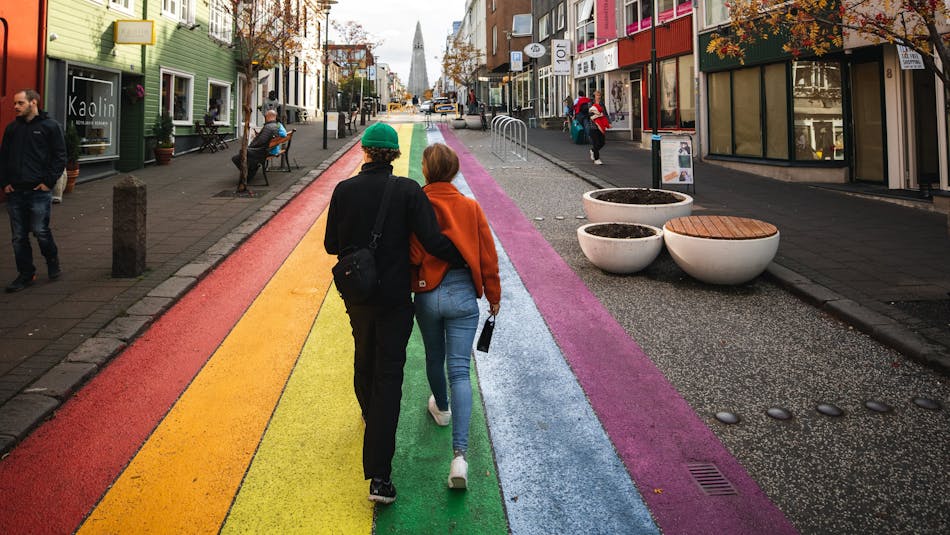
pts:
[53, 479]
[653, 428]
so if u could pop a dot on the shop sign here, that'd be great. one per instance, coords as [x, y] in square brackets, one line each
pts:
[910, 60]
[134, 32]
[534, 50]
[603, 60]
[561, 56]
[92, 106]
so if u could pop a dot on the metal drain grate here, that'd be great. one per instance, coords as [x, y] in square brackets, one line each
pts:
[711, 480]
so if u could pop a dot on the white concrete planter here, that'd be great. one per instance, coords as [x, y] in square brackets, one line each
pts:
[717, 261]
[459, 124]
[474, 121]
[620, 255]
[656, 215]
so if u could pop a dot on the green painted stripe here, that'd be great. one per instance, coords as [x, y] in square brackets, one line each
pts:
[425, 504]
[419, 143]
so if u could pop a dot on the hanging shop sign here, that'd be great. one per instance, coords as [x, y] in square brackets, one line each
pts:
[134, 32]
[910, 60]
[534, 50]
[561, 56]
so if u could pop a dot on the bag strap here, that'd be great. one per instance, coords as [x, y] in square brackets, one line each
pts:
[381, 215]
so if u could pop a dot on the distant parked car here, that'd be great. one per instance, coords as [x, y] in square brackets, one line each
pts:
[426, 106]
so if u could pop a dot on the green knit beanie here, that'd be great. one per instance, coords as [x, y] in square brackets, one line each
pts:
[380, 135]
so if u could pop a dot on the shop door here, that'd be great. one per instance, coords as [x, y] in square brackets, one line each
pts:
[925, 128]
[636, 110]
[867, 107]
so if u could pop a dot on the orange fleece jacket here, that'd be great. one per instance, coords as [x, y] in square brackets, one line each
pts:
[463, 222]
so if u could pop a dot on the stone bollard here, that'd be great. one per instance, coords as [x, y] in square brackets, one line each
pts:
[128, 227]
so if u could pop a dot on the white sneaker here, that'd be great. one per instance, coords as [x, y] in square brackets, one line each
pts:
[442, 418]
[598, 162]
[591, 151]
[458, 473]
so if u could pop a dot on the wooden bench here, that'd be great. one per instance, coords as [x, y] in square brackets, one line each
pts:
[721, 227]
[283, 155]
[721, 249]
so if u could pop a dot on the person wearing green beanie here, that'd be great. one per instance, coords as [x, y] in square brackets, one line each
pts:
[381, 326]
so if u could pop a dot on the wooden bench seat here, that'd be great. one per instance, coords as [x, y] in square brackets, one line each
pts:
[721, 227]
[283, 155]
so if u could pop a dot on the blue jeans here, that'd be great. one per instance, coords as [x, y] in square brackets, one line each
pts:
[448, 319]
[29, 212]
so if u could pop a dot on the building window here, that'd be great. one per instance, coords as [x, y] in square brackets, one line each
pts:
[125, 6]
[584, 33]
[676, 93]
[717, 12]
[220, 20]
[92, 104]
[816, 105]
[177, 95]
[686, 91]
[561, 16]
[776, 113]
[747, 112]
[544, 30]
[219, 101]
[180, 10]
[494, 40]
[720, 113]
[631, 16]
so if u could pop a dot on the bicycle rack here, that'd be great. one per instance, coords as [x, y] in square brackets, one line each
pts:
[509, 136]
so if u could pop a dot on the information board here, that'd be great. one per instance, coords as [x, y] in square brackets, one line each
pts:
[676, 159]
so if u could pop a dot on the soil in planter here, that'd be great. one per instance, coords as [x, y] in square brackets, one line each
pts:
[638, 196]
[617, 230]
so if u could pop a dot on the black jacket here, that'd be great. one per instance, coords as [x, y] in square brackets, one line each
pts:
[350, 219]
[31, 153]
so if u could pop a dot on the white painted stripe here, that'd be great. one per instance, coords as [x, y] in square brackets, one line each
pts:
[558, 469]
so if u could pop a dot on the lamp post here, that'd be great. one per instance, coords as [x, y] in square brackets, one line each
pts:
[325, 4]
[654, 104]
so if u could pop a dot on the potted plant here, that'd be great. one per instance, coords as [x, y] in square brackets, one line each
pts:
[73, 150]
[620, 247]
[164, 145]
[636, 205]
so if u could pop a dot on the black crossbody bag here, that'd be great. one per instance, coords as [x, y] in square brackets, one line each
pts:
[355, 273]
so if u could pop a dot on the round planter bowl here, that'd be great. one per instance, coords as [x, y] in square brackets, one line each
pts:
[459, 124]
[655, 215]
[620, 255]
[473, 121]
[717, 261]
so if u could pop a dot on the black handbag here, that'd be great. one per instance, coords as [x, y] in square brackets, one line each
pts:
[355, 273]
[484, 339]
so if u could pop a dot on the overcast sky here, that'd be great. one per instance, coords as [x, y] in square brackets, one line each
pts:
[394, 22]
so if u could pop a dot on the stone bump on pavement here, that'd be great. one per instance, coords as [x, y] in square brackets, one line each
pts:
[58, 334]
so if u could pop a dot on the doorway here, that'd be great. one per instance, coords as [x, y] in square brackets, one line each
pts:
[636, 107]
[867, 111]
[925, 129]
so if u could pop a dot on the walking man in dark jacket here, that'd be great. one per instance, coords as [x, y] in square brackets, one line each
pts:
[32, 156]
[382, 325]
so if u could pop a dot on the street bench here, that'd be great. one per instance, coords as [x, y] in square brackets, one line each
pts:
[283, 155]
[721, 249]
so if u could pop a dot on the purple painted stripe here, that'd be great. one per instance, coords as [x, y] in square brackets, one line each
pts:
[653, 428]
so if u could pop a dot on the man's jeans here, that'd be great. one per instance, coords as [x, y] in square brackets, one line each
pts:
[29, 212]
[448, 319]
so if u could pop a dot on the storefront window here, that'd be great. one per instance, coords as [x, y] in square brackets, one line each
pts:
[747, 111]
[177, 95]
[687, 94]
[720, 113]
[219, 102]
[92, 105]
[616, 100]
[816, 103]
[776, 112]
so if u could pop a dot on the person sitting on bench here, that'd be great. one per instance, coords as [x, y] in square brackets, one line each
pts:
[257, 149]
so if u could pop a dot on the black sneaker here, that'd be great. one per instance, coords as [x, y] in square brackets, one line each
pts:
[53, 269]
[382, 491]
[20, 282]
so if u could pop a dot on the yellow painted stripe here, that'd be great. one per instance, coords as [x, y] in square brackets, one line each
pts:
[184, 478]
[307, 476]
[401, 164]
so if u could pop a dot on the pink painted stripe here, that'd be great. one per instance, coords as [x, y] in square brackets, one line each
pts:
[53, 479]
[653, 428]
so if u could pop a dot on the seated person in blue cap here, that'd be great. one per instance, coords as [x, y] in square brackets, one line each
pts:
[381, 326]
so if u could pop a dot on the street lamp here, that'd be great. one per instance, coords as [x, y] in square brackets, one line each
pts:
[655, 104]
[325, 5]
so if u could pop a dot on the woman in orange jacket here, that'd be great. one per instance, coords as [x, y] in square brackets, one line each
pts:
[446, 299]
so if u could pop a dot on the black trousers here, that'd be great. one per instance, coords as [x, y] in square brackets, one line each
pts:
[597, 141]
[380, 334]
[253, 162]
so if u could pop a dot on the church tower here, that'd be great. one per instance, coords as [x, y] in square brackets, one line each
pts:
[418, 80]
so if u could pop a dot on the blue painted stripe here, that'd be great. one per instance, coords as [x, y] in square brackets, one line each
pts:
[558, 470]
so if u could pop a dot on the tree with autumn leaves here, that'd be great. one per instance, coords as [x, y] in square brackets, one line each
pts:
[460, 63]
[816, 27]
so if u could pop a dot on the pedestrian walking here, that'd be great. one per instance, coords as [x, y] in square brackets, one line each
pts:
[258, 148]
[381, 325]
[32, 158]
[581, 121]
[597, 128]
[447, 299]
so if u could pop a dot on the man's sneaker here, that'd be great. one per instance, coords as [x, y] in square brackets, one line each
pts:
[442, 418]
[591, 151]
[53, 269]
[458, 472]
[20, 282]
[598, 162]
[382, 491]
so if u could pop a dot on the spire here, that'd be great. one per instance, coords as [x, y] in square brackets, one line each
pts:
[418, 80]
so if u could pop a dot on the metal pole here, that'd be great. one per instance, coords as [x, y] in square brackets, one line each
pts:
[655, 104]
[326, 69]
